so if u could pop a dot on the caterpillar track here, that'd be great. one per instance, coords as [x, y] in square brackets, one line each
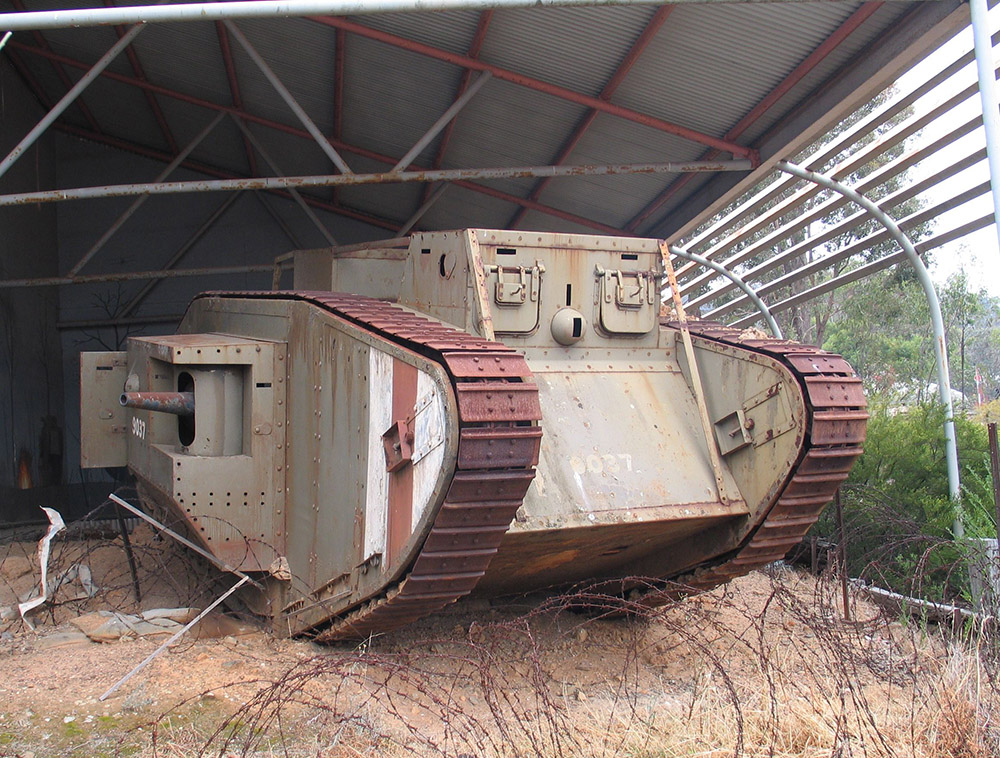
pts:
[493, 412]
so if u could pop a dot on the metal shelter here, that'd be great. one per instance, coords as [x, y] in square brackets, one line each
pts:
[304, 123]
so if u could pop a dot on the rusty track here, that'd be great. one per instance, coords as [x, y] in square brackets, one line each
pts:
[835, 405]
[499, 438]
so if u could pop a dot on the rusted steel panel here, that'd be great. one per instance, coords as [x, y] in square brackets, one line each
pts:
[495, 401]
[847, 392]
[839, 427]
[484, 365]
[820, 363]
[489, 485]
[486, 513]
[514, 447]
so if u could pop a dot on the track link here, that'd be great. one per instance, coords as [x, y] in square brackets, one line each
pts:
[499, 438]
[837, 418]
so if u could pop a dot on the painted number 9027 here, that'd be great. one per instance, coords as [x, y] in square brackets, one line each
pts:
[599, 464]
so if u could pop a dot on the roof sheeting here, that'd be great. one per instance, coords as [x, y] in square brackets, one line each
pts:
[705, 69]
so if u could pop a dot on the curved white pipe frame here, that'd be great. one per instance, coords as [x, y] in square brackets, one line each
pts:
[735, 279]
[937, 322]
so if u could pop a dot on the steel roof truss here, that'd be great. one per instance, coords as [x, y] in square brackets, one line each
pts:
[296, 195]
[538, 85]
[234, 89]
[446, 118]
[154, 106]
[831, 43]
[638, 47]
[586, 223]
[289, 99]
[60, 72]
[68, 98]
[137, 203]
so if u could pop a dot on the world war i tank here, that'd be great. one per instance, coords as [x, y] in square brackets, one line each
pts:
[479, 410]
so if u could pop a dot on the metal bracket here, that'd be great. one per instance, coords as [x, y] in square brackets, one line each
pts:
[516, 284]
[397, 441]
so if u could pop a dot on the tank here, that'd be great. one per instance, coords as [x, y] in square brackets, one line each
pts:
[473, 410]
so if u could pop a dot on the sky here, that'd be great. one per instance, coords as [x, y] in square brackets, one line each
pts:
[978, 254]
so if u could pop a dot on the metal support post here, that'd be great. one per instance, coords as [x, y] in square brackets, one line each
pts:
[988, 95]
[290, 101]
[991, 430]
[67, 99]
[735, 279]
[696, 384]
[120, 221]
[937, 322]
[842, 556]
[443, 121]
[296, 195]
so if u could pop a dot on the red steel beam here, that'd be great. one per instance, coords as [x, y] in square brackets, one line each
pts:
[61, 73]
[810, 62]
[338, 144]
[485, 17]
[154, 106]
[536, 84]
[33, 84]
[637, 49]
[339, 61]
[340, 57]
[234, 89]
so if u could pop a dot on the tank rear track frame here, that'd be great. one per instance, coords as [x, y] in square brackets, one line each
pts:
[498, 447]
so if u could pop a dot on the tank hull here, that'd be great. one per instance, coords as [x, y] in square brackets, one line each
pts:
[374, 461]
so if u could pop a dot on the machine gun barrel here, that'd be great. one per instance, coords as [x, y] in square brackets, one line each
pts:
[177, 403]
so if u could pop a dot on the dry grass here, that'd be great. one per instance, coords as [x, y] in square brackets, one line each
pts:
[770, 671]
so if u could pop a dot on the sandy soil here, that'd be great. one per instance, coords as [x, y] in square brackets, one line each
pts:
[765, 665]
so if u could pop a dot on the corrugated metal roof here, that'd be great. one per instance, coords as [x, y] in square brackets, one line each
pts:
[706, 68]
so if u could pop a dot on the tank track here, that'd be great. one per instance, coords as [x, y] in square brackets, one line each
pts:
[835, 407]
[499, 438]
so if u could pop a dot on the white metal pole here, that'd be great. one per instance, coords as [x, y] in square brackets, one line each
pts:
[988, 95]
[215, 11]
[67, 99]
[442, 122]
[937, 322]
[735, 279]
[351, 180]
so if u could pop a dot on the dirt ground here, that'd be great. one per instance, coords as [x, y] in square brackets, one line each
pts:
[764, 666]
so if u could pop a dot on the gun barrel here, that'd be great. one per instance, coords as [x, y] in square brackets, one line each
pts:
[177, 403]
